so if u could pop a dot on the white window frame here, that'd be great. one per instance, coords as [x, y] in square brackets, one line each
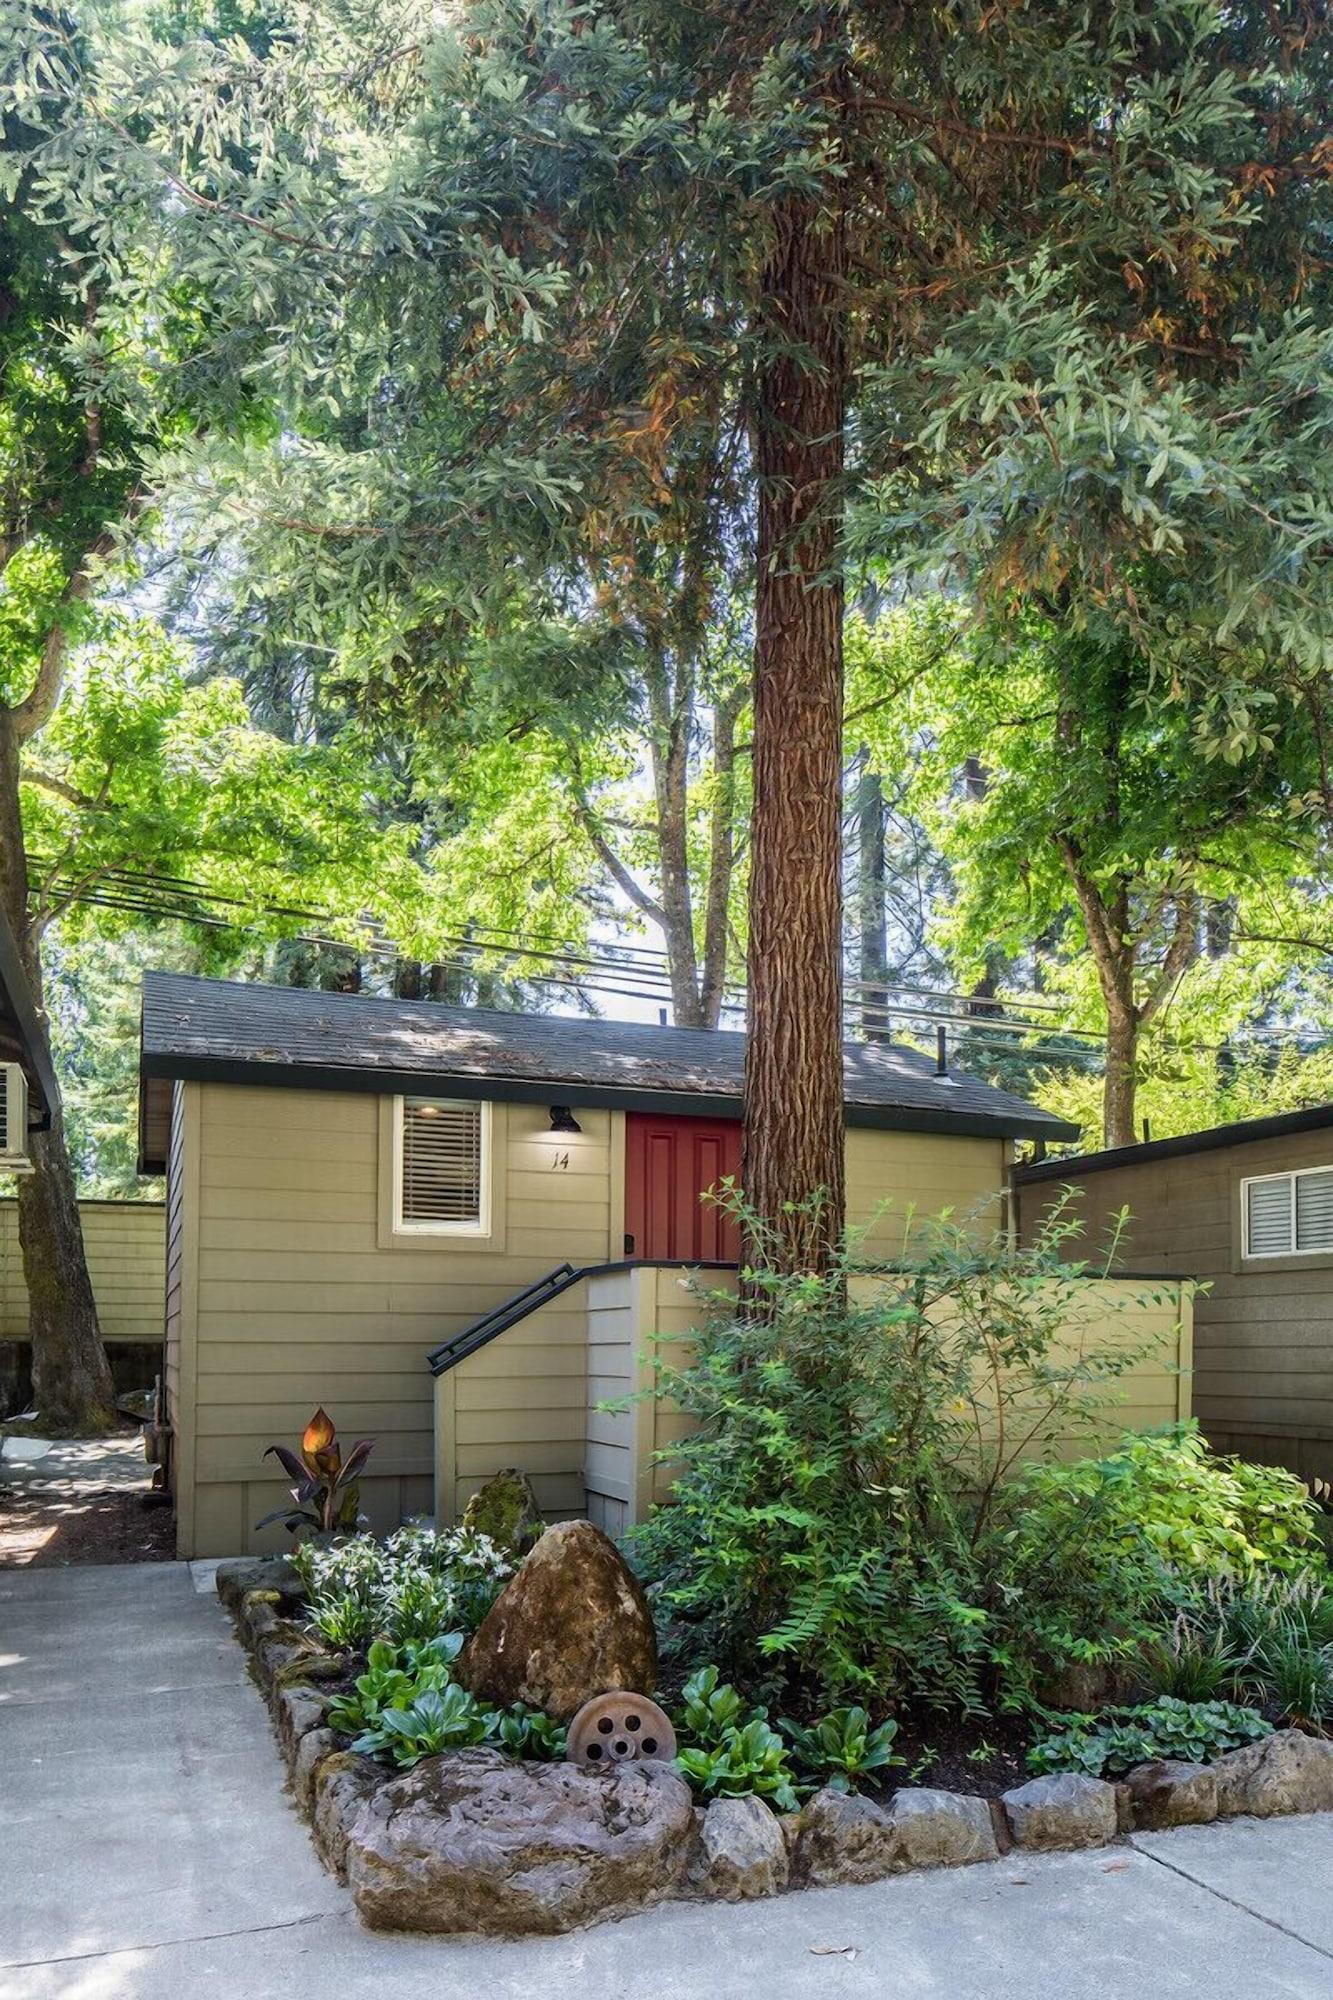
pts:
[1292, 1174]
[407, 1227]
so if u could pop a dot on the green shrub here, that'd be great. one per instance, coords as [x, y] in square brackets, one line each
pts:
[1112, 1743]
[1165, 1494]
[394, 1678]
[852, 1506]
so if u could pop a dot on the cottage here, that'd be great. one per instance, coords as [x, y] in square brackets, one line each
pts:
[354, 1184]
[1249, 1208]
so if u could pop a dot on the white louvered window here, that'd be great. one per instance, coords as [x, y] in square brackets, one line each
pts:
[442, 1165]
[1289, 1215]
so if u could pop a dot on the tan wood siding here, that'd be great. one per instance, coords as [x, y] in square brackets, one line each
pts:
[288, 1295]
[1263, 1330]
[125, 1243]
[300, 1302]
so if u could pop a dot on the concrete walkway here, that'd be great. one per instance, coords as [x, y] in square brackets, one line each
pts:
[148, 1853]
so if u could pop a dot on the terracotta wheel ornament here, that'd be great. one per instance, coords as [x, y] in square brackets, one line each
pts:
[620, 1728]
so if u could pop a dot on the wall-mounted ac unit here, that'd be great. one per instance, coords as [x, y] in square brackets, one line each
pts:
[13, 1119]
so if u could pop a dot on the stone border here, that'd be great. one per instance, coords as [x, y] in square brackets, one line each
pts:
[557, 1847]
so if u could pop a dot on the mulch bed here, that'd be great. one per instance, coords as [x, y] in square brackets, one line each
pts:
[50, 1526]
[37, 1532]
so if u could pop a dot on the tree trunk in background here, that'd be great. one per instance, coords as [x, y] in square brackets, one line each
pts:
[70, 1371]
[792, 1149]
[871, 901]
[1120, 1090]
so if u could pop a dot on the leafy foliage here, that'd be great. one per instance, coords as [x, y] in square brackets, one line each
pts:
[853, 1506]
[412, 1586]
[842, 1748]
[876, 1500]
[1111, 1743]
[327, 1493]
[751, 1760]
[1263, 1636]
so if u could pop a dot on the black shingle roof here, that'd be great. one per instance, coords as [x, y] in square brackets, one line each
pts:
[213, 1028]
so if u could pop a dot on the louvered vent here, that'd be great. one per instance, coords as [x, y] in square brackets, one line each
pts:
[441, 1164]
[13, 1115]
[1268, 1217]
[1314, 1210]
[1286, 1213]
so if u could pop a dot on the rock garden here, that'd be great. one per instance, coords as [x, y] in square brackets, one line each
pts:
[886, 1621]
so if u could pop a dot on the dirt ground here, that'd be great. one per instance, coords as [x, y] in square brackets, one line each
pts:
[86, 1500]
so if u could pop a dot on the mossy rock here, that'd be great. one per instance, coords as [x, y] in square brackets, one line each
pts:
[506, 1510]
[315, 1665]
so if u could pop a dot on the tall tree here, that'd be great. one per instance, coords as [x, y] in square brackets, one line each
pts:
[69, 460]
[831, 186]
[1101, 824]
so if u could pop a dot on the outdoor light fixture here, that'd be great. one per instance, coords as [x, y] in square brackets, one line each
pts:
[563, 1119]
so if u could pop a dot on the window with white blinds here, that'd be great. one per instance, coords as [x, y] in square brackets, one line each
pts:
[1288, 1215]
[442, 1165]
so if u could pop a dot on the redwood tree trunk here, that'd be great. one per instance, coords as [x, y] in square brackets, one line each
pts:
[71, 1375]
[792, 1154]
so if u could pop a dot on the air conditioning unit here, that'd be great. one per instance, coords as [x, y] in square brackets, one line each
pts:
[13, 1119]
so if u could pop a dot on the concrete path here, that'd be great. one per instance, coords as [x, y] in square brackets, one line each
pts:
[71, 1467]
[147, 1852]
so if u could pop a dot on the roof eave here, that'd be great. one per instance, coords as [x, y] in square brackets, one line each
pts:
[1245, 1132]
[382, 1081]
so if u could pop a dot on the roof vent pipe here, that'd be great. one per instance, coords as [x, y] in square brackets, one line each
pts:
[941, 1051]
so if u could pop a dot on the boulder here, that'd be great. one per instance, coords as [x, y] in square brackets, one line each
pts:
[296, 1711]
[842, 1838]
[1287, 1772]
[506, 1510]
[479, 1843]
[341, 1786]
[740, 1853]
[1064, 1811]
[941, 1829]
[570, 1624]
[1167, 1792]
[235, 1580]
[312, 1752]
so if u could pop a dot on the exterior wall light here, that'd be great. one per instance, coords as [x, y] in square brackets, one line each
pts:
[563, 1119]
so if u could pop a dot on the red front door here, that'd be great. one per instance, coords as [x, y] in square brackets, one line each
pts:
[669, 1163]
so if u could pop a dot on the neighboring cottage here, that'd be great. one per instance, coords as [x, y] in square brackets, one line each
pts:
[1248, 1208]
[355, 1183]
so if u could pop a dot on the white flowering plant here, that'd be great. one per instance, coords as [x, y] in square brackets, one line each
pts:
[415, 1585]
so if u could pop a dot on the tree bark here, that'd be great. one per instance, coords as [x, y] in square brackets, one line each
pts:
[1120, 1086]
[792, 1163]
[871, 902]
[70, 1371]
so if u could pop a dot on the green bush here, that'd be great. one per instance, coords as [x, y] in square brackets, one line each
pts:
[870, 1498]
[1166, 1495]
[1112, 1743]
[852, 1508]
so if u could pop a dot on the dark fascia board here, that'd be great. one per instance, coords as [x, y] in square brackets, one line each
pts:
[522, 1090]
[1245, 1132]
[21, 1017]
